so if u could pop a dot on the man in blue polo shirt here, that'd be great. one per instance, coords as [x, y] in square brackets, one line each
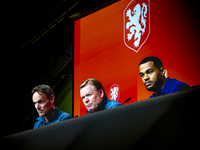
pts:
[43, 99]
[154, 78]
[94, 96]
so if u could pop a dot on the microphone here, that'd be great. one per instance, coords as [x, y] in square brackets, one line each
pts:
[126, 100]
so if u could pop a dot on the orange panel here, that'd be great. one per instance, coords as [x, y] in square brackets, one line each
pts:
[101, 53]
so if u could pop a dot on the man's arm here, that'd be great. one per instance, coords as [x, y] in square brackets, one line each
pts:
[36, 124]
[179, 86]
[114, 104]
[65, 116]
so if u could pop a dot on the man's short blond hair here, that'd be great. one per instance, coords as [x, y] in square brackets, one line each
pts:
[96, 84]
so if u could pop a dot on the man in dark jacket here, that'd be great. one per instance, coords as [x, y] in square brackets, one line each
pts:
[154, 78]
[94, 96]
[43, 99]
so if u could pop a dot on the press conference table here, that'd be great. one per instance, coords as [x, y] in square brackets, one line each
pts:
[163, 122]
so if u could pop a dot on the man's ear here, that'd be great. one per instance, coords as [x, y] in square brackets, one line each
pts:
[101, 93]
[52, 99]
[164, 72]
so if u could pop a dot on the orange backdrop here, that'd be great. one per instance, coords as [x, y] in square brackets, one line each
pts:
[100, 51]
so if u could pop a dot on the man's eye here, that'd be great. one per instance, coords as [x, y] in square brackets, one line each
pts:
[41, 102]
[141, 75]
[89, 95]
[150, 71]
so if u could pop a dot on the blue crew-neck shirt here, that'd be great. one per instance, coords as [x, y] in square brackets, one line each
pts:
[56, 117]
[171, 86]
[106, 104]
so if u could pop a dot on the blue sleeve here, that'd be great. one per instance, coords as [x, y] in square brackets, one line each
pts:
[65, 117]
[115, 104]
[36, 125]
[178, 86]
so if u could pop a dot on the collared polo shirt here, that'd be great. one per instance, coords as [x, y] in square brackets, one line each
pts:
[106, 104]
[171, 86]
[56, 117]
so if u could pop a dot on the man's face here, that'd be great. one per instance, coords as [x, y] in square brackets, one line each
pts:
[151, 76]
[90, 97]
[42, 104]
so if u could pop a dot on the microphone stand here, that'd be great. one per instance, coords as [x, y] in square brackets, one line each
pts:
[126, 100]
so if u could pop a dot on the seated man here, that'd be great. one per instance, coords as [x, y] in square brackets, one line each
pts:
[94, 96]
[43, 98]
[154, 78]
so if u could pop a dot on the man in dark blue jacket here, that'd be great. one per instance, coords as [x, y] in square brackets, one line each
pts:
[94, 96]
[154, 78]
[43, 99]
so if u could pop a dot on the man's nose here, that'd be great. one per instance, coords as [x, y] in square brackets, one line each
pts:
[86, 100]
[37, 106]
[146, 77]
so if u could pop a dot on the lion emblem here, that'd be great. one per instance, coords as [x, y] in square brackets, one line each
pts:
[137, 22]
